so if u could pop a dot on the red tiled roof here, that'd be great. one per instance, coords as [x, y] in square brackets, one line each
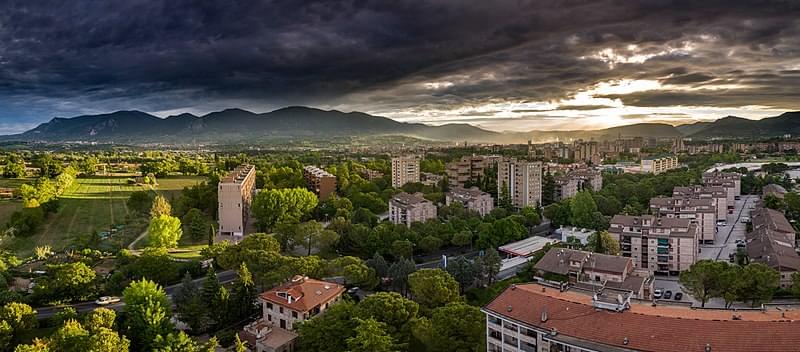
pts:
[306, 293]
[647, 328]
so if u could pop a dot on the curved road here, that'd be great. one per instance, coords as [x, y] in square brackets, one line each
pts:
[84, 307]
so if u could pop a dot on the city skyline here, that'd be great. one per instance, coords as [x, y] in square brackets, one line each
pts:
[501, 66]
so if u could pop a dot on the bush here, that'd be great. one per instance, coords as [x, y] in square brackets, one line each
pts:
[24, 223]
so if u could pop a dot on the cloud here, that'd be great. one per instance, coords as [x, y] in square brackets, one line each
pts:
[412, 60]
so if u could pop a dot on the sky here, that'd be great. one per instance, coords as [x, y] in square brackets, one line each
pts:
[502, 65]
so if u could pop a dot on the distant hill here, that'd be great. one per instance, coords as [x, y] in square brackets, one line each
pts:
[297, 122]
[737, 127]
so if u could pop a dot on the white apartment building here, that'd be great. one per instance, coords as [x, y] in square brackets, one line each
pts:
[659, 164]
[701, 212]
[717, 194]
[407, 208]
[661, 245]
[472, 199]
[235, 194]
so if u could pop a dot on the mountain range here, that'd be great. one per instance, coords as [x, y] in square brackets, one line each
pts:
[303, 123]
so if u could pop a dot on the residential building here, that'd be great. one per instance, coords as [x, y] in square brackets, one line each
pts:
[588, 179]
[659, 164]
[718, 194]
[521, 180]
[407, 208]
[538, 318]
[468, 168]
[430, 179]
[661, 245]
[565, 187]
[595, 269]
[472, 198]
[774, 190]
[370, 174]
[725, 179]
[319, 181]
[405, 170]
[286, 305]
[701, 212]
[235, 194]
[574, 233]
[773, 242]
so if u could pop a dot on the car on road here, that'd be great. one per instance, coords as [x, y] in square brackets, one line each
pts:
[106, 300]
[668, 294]
[722, 223]
[678, 296]
[745, 220]
[658, 293]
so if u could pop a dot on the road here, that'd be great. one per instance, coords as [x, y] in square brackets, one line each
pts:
[84, 307]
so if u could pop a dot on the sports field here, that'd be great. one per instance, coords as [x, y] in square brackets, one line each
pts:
[92, 204]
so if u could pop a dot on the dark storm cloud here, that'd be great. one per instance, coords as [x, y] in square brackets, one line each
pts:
[74, 57]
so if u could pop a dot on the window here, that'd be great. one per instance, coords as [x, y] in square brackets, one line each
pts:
[269, 305]
[283, 324]
[294, 314]
[269, 317]
[281, 309]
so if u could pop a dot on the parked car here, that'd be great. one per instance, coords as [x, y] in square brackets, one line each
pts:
[668, 294]
[678, 296]
[745, 220]
[658, 293]
[106, 300]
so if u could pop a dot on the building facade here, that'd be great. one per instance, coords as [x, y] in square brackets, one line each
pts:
[235, 194]
[717, 194]
[405, 170]
[659, 164]
[522, 180]
[660, 245]
[772, 242]
[461, 171]
[472, 198]
[701, 212]
[730, 180]
[407, 208]
[319, 181]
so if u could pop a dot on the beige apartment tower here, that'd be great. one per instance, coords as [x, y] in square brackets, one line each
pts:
[405, 170]
[235, 196]
[522, 180]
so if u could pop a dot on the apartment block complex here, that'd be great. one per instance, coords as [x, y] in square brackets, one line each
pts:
[235, 194]
[772, 242]
[700, 212]
[718, 194]
[659, 164]
[319, 181]
[283, 307]
[567, 186]
[660, 245]
[467, 168]
[731, 181]
[539, 318]
[472, 199]
[405, 170]
[522, 180]
[407, 208]
[597, 271]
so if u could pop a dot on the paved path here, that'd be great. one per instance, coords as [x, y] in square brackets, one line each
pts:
[133, 244]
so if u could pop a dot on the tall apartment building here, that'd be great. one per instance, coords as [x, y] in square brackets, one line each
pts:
[661, 245]
[465, 169]
[730, 180]
[522, 180]
[283, 307]
[701, 212]
[319, 181]
[472, 199]
[718, 194]
[588, 179]
[407, 208]
[659, 164]
[772, 242]
[405, 170]
[586, 151]
[235, 194]
[565, 187]
[538, 318]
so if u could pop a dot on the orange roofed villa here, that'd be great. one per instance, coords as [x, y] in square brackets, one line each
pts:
[283, 307]
[538, 318]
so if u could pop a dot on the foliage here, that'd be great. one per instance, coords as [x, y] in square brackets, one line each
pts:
[433, 288]
[24, 223]
[164, 231]
[67, 282]
[147, 313]
[140, 201]
[602, 242]
[195, 224]
[370, 336]
[160, 206]
[454, 327]
[282, 205]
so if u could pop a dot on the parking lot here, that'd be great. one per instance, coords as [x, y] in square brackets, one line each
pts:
[724, 245]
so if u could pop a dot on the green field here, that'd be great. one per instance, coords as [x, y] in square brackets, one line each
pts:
[91, 204]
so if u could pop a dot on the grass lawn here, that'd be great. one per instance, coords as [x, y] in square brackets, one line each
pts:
[92, 204]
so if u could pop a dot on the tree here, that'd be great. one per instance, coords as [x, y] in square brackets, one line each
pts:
[164, 231]
[24, 223]
[239, 345]
[190, 306]
[757, 283]
[71, 281]
[100, 318]
[402, 249]
[602, 242]
[282, 205]
[582, 206]
[702, 279]
[14, 168]
[160, 207]
[147, 313]
[70, 337]
[548, 189]
[490, 265]
[140, 201]
[433, 288]
[505, 201]
[20, 317]
[795, 288]
[370, 336]
[392, 309]
[244, 295]
[454, 327]
[195, 224]
[107, 340]
[379, 264]
[430, 244]
[462, 270]
[462, 238]
[312, 234]
[328, 332]
[399, 272]
[174, 342]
